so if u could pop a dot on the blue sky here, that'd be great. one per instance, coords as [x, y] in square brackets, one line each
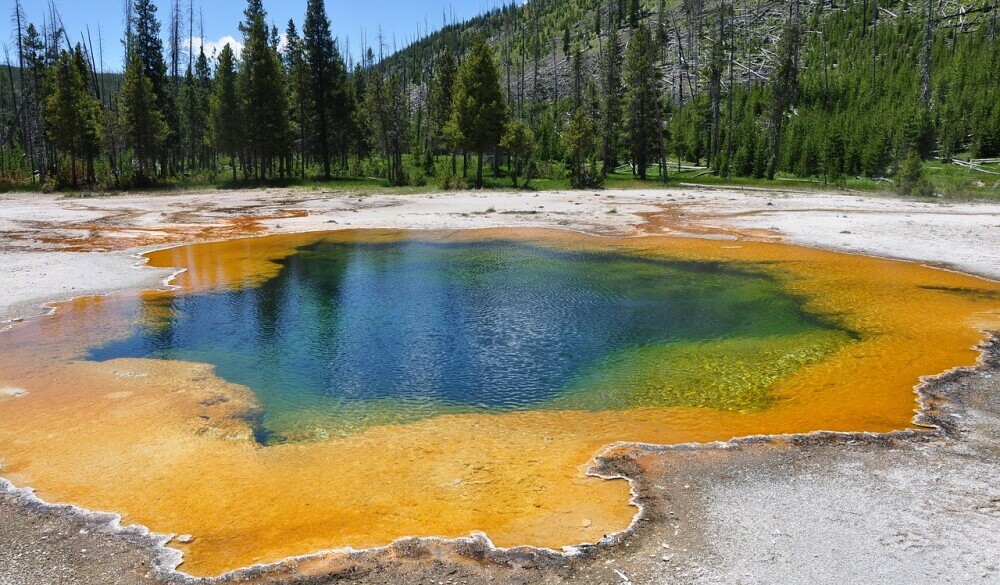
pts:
[221, 17]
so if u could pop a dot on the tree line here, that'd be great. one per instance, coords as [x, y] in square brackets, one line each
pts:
[554, 88]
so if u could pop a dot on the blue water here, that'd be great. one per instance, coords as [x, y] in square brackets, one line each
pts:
[352, 334]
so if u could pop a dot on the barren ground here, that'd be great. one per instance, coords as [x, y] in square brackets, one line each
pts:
[919, 507]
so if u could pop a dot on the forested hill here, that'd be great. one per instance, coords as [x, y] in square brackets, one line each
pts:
[857, 71]
[554, 92]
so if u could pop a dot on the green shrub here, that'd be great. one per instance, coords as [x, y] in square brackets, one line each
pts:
[911, 179]
[454, 183]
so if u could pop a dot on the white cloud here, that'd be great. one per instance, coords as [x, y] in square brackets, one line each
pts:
[213, 48]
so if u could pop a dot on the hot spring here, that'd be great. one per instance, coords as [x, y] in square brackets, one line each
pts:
[350, 335]
[307, 392]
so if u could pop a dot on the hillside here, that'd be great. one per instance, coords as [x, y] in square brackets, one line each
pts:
[857, 93]
[859, 104]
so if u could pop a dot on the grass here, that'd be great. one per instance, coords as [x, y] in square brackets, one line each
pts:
[951, 182]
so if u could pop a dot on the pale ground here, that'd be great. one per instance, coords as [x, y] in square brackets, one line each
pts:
[964, 236]
[923, 512]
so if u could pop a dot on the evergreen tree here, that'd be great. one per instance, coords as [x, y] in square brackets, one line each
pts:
[808, 107]
[89, 115]
[148, 49]
[642, 101]
[319, 50]
[634, 11]
[611, 102]
[264, 98]
[480, 111]
[34, 97]
[784, 85]
[911, 178]
[299, 91]
[580, 142]
[440, 97]
[344, 106]
[360, 119]
[715, 67]
[387, 107]
[227, 109]
[194, 112]
[72, 114]
[518, 140]
[578, 80]
[203, 78]
[142, 119]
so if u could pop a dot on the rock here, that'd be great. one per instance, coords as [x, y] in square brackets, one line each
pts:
[184, 539]
[586, 523]
[12, 392]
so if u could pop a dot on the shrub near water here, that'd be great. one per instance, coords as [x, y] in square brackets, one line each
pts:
[911, 178]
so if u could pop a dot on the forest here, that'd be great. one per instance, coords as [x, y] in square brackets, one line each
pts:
[872, 94]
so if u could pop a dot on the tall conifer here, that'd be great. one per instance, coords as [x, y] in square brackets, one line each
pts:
[480, 111]
[319, 50]
[142, 119]
[227, 109]
[642, 101]
[263, 93]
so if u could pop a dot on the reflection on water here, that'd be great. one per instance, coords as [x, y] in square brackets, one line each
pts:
[347, 335]
[672, 341]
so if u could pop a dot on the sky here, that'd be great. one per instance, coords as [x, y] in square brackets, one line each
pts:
[349, 19]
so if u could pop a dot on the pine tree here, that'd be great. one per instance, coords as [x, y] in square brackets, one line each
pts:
[518, 140]
[344, 106]
[192, 117]
[715, 67]
[194, 110]
[90, 115]
[911, 178]
[72, 114]
[319, 50]
[440, 99]
[227, 109]
[299, 90]
[203, 79]
[387, 107]
[784, 85]
[142, 119]
[578, 78]
[264, 97]
[148, 49]
[634, 12]
[611, 102]
[480, 111]
[579, 140]
[360, 120]
[33, 95]
[642, 101]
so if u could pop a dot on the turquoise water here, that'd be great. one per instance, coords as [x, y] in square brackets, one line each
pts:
[349, 335]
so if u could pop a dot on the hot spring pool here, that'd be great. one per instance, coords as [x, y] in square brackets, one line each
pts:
[352, 334]
[305, 392]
